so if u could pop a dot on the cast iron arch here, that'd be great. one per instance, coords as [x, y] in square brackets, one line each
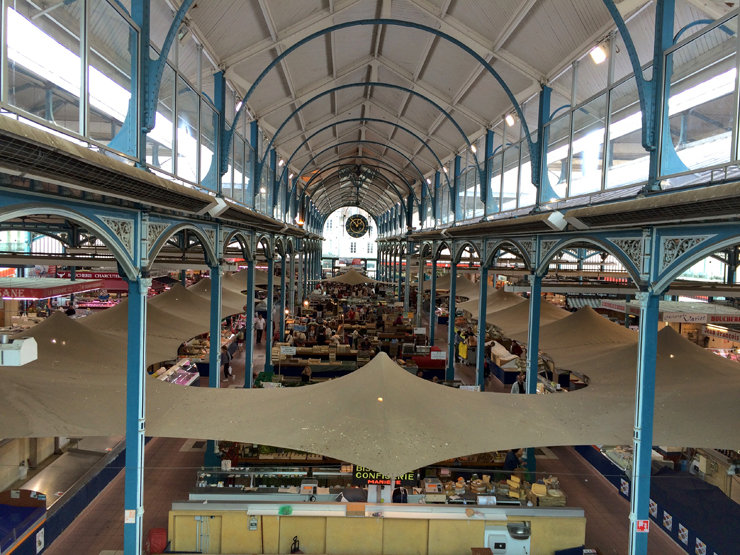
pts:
[462, 247]
[99, 229]
[513, 245]
[598, 244]
[244, 243]
[267, 246]
[348, 202]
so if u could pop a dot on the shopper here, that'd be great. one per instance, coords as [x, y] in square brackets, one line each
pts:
[306, 374]
[458, 339]
[519, 385]
[226, 364]
[355, 338]
[516, 348]
[240, 338]
[259, 327]
[513, 460]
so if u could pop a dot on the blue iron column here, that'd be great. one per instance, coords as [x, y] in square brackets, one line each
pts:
[268, 320]
[407, 285]
[433, 302]
[292, 287]
[249, 339]
[420, 288]
[283, 295]
[627, 299]
[451, 351]
[400, 276]
[299, 280]
[533, 347]
[214, 358]
[644, 412]
[304, 266]
[135, 415]
[481, 348]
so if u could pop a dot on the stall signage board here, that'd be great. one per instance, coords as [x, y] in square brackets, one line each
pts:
[287, 350]
[684, 318]
[723, 319]
[470, 388]
[438, 355]
[721, 334]
[420, 331]
[362, 476]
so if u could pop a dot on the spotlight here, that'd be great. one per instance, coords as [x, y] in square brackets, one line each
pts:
[598, 54]
[290, 176]
[281, 163]
[510, 120]
[472, 147]
[263, 190]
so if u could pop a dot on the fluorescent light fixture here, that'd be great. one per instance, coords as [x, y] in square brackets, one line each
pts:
[598, 54]
[509, 120]
[290, 176]
[445, 169]
[263, 190]
[239, 105]
[472, 147]
[281, 163]
[716, 328]
[429, 181]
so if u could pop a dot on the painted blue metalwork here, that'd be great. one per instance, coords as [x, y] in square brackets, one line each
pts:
[436, 193]
[364, 84]
[644, 417]
[407, 283]
[138, 287]
[283, 295]
[268, 320]
[451, 347]
[249, 330]
[545, 192]
[554, 113]
[391, 22]
[481, 347]
[214, 357]
[353, 120]
[490, 206]
[433, 301]
[454, 192]
[254, 134]
[148, 73]
[533, 342]
[272, 188]
[688, 26]
[213, 178]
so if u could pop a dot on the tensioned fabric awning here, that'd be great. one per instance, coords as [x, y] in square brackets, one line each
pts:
[33, 289]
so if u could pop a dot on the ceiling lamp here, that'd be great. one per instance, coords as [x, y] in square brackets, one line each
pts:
[281, 163]
[444, 168]
[598, 54]
[290, 176]
[238, 105]
[263, 190]
[472, 147]
[510, 120]
[429, 181]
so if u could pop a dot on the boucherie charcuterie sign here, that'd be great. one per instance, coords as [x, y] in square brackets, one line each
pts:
[362, 476]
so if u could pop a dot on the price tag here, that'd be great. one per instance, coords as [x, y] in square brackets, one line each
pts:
[470, 388]
[643, 526]
[420, 331]
[129, 516]
[287, 350]
[439, 355]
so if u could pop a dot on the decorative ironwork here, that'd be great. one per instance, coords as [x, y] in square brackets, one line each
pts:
[154, 231]
[211, 235]
[547, 246]
[529, 247]
[631, 247]
[123, 229]
[673, 248]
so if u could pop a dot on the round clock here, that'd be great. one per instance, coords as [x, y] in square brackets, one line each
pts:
[356, 226]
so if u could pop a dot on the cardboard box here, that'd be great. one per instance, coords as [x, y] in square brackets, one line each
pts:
[355, 509]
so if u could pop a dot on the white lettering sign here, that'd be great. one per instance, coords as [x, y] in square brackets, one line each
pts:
[420, 331]
[721, 334]
[439, 355]
[685, 318]
[287, 350]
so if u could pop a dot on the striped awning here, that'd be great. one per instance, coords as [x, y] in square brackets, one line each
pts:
[578, 302]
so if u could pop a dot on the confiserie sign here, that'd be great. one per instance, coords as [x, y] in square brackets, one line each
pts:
[362, 476]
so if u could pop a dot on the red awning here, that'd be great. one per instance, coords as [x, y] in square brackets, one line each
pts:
[32, 289]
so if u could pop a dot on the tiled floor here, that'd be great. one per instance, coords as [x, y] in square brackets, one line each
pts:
[171, 465]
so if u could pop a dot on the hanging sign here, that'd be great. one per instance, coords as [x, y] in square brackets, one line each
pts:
[362, 476]
[287, 350]
[723, 319]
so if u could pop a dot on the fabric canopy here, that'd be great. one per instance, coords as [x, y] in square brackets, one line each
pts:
[238, 282]
[515, 319]
[77, 388]
[352, 277]
[495, 301]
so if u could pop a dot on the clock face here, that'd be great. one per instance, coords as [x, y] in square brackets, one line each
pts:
[356, 226]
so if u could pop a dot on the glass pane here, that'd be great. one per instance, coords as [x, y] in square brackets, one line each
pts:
[592, 77]
[248, 188]
[44, 72]
[527, 191]
[479, 209]
[113, 44]
[187, 132]
[511, 178]
[227, 181]
[187, 57]
[558, 148]
[470, 182]
[460, 202]
[159, 139]
[208, 147]
[238, 169]
[628, 160]
[701, 100]
[494, 193]
[588, 147]
[561, 90]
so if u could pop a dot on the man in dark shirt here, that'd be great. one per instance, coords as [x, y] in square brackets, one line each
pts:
[513, 460]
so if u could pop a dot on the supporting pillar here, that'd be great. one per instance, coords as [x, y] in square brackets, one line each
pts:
[268, 320]
[292, 286]
[627, 299]
[135, 416]
[644, 411]
[299, 281]
[305, 269]
[283, 295]
[419, 289]
[214, 358]
[400, 276]
[249, 336]
[183, 278]
[433, 302]
[481, 348]
[407, 285]
[533, 347]
[450, 374]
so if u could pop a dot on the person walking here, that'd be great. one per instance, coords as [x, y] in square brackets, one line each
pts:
[458, 340]
[226, 364]
[259, 327]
